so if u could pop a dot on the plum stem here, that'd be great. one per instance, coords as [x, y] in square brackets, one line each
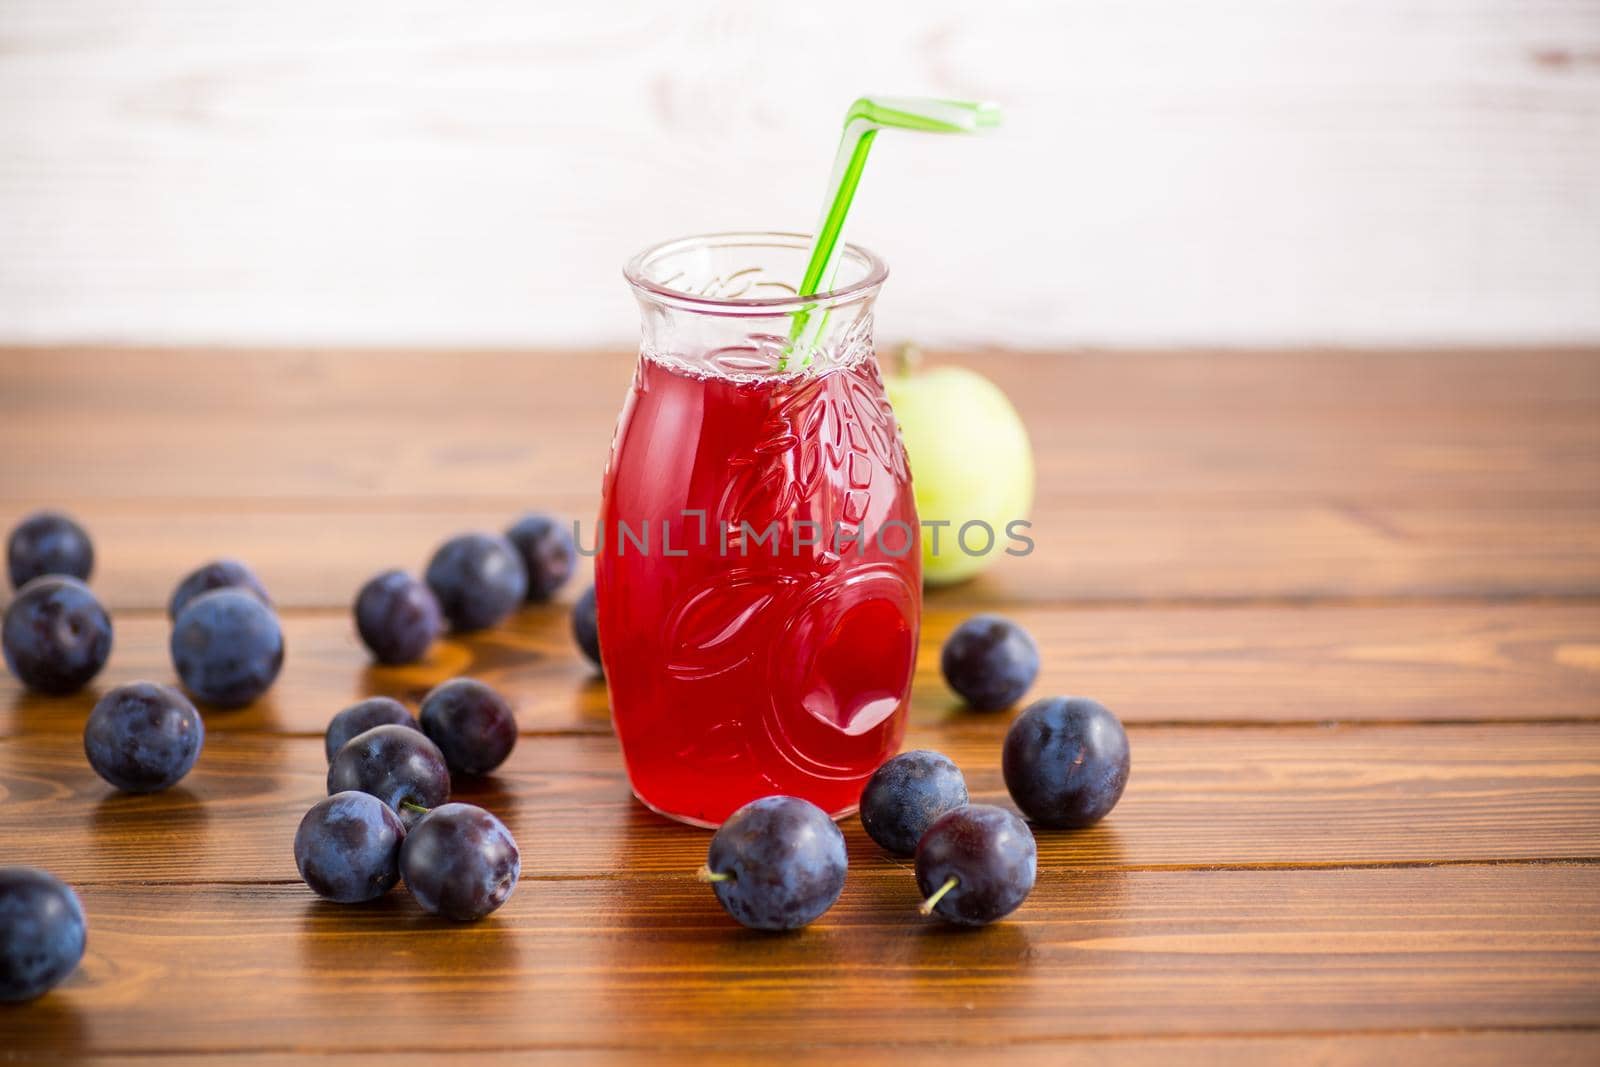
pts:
[938, 894]
[406, 805]
[706, 874]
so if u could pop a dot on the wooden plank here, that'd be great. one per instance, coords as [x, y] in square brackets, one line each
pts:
[641, 963]
[1248, 797]
[1352, 172]
[312, 555]
[1576, 1047]
[1235, 664]
[1401, 429]
[1270, 475]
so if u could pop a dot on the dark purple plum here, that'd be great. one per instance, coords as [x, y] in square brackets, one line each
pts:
[479, 580]
[1065, 762]
[990, 662]
[227, 647]
[777, 863]
[42, 932]
[143, 737]
[976, 864]
[398, 617]
[586, 627]
[360, 717]
[218, 574]
[549, 554]
[56, 636]
[348, 847]
[48, 542]
[460, 862]
[905, 795]
[472, 725]
[396, 764]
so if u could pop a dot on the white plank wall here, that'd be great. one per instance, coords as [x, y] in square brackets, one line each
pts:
[1239, 172]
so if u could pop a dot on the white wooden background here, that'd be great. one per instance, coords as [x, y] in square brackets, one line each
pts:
[433, 172]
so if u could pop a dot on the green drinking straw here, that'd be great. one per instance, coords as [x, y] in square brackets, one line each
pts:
[862, 122]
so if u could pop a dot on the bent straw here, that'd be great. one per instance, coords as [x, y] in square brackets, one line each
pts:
[862, 122]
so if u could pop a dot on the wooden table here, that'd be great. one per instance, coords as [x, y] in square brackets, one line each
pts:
[1347, 604]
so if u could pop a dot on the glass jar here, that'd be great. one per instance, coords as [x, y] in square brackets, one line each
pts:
[758, 576]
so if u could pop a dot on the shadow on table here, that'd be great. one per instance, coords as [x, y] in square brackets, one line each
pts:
[124, 828]
[389, 943]
[52, 1026]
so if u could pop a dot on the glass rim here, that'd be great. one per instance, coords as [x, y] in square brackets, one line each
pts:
[634, 271]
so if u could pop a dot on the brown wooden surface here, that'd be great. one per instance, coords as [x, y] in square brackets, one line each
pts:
[1348, 604]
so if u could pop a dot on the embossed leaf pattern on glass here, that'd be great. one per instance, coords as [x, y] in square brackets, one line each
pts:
[813, 460]
[874, 411]
[717, 626]
[767, 481]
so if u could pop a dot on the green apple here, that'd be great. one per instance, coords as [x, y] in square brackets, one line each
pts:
[970, 461]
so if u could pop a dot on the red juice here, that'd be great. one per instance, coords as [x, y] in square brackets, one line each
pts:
[758, 585]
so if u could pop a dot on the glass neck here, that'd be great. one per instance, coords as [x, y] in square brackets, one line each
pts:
[725, 303]
[757, 345]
